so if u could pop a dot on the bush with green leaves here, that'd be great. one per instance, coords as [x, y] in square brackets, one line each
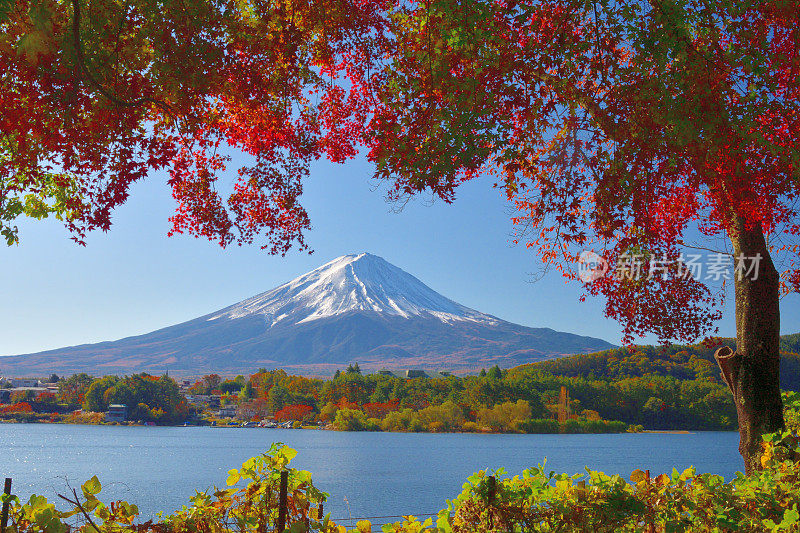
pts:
[355, 420]
[252, 507]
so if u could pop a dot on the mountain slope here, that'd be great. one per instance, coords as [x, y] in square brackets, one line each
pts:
[354, 308]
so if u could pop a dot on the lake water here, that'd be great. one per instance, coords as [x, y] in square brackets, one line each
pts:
[366, 474]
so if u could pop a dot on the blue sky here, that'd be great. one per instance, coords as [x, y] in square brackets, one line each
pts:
[134, 279]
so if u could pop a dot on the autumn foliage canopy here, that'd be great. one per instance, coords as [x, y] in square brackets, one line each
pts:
[96, 94]
[623, 127]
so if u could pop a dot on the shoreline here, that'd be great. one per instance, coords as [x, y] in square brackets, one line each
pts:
[676, 431]
[309, 428]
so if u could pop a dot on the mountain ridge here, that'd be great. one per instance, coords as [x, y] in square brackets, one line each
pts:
[356, 307]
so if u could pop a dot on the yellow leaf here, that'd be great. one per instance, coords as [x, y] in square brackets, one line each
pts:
[638, 476]
[765, 458]
[289, 453]
[663, 479]
[233, 477]
[364, 526]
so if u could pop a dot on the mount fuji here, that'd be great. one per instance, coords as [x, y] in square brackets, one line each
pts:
[354, 308]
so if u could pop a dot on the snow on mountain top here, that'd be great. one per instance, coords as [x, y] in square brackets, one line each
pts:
[362, 282]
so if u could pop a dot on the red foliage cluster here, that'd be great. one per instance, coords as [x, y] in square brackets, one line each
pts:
[46, 397]
[293, 412]
[344, 403]
[20, 407]
[284, 84]
[380, 409]
[615, 129]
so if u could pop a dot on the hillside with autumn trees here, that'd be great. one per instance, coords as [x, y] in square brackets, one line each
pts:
[679, 361]
[672, 387]
[660, 388]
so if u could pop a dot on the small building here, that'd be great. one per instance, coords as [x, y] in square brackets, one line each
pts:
[203, 399]
[24, 382]
[411, 373]
[116, 413]
[35, 391]
[226, 412]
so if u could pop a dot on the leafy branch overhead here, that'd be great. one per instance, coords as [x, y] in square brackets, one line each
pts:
[101, 93]
[617, 126]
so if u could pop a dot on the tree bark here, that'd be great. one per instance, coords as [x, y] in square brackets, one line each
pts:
[752, 371]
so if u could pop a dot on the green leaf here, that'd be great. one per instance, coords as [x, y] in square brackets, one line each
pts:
[288, 453]
[297, 527]
[92, 486]
[791, 517]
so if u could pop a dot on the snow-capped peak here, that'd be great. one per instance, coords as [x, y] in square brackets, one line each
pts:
[362, 282]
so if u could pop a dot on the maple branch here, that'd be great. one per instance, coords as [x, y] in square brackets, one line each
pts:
[604, 121]
[682, 243]
[597, 42]
[77, 504]
[76, 41]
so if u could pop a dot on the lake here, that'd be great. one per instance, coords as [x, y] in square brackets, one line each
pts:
[366, 474]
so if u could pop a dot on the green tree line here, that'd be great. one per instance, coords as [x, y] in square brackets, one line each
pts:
[673, 387]
[676, 387]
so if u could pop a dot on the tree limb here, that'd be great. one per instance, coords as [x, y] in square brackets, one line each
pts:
[729, 362]
[81, 59]
[77, 504]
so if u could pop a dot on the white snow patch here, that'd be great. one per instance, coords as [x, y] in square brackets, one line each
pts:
[362, 282]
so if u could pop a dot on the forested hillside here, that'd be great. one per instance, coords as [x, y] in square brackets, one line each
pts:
[679, 361]
[675, 387]
[790, 343]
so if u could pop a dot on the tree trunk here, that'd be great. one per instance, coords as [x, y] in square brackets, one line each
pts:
[752, 372]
